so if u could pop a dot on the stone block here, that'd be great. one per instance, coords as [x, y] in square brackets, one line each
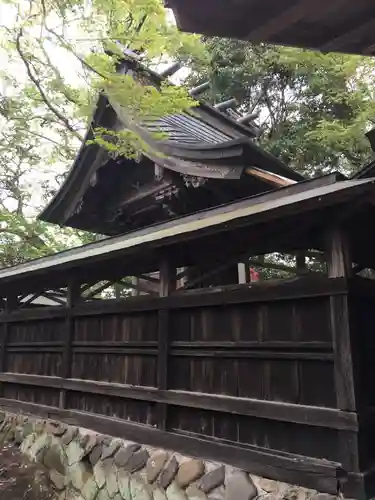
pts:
[55, 428]
[103, 495]
[57, 479]
[89, 442]
[138, 489]
[74, 452]
[95, 454]
[189, 471]
[155, 465]
[239, 486]
[111, 480]
[212, 479]
[27, 429]
[39, 447]
[137, 461]
[124, 454]
[27, 443]
[169, 473]
[54, 458]
[77, 475]
[99, 474]
[39, 426]
[18, 436]
[123, 480]
[194, 493]
[90, 489]
[174, 492]
[69, 435]
[111, 449]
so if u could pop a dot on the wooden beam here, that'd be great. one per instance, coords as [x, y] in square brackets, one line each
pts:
[338, 254]
[53, 298]
[315, 416]
[149, 278]
[271, 265]
[143, 288]
[271, 178]
[349, 36]
[30, 299]
[343, 365]
[100, 289]
[212, 272]
[10, 305]
[167, 286]
[285, 19]
[73, 294]
[145, 192]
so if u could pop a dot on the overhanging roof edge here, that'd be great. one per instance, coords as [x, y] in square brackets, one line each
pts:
[212, 218]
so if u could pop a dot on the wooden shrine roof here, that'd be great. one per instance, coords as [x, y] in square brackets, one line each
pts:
[295, 216]
[205, 147]
[334, 26]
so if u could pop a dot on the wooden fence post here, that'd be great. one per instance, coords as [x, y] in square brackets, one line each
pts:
[167, 285]
[339, 265]
[73, 294]
[10, 304]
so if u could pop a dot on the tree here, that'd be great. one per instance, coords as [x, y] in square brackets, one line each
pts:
[313, 108]
[56, 57]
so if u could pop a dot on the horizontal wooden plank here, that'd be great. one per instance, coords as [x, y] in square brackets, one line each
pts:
[115, 350]
[34, 349]
[114, 343]
[255, 344]
[272, 290]
[301, 414]
[214, 353]
[295, 469]
[35, 344]
[23, 315]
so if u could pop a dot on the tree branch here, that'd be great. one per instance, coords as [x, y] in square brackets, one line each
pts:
[44, 97]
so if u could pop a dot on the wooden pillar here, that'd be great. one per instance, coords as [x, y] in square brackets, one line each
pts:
[167, 285]
[10, 304]
[73, 294]
[339, 262]
[339, 265]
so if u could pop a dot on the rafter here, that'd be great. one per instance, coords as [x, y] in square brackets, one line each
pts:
[350, 36]
[282, 21]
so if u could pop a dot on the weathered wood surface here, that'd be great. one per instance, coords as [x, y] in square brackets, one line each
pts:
[264, 368]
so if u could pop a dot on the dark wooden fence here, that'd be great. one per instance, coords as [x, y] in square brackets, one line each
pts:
[255, 376]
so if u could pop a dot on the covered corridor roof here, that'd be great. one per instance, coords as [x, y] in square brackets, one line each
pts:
[140, 248]
[334, 26]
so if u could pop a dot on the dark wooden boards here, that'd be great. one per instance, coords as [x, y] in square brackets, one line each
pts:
[266, 368]
[267, 291]
[307, 415]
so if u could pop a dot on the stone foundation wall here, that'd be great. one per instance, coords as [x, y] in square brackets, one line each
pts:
[83, 465]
